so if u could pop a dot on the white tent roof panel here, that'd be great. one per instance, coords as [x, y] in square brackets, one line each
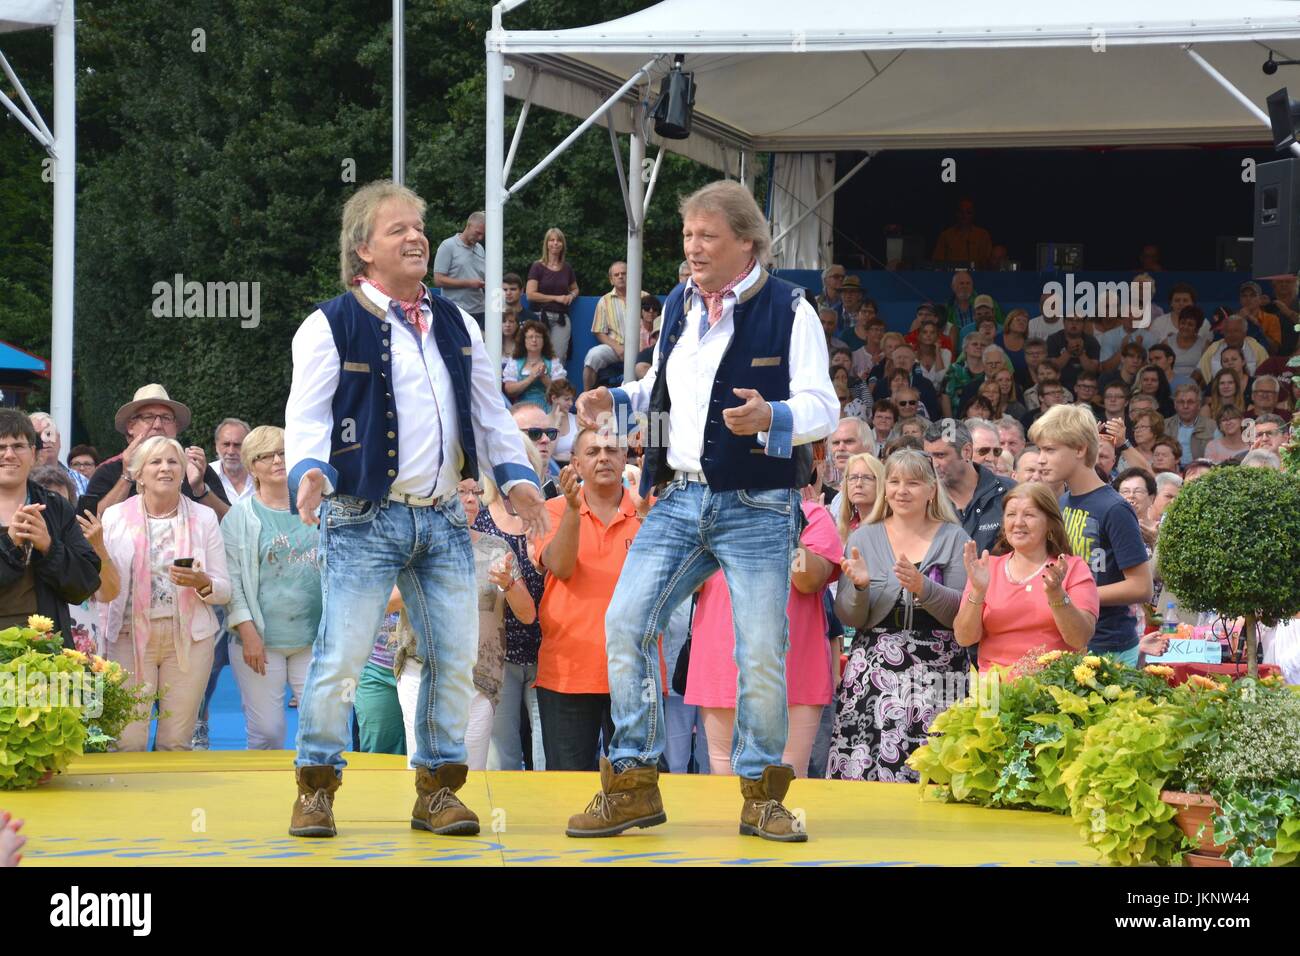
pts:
[827, 74]
[25, 14]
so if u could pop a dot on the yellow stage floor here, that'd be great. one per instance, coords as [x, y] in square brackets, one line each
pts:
[232, 808]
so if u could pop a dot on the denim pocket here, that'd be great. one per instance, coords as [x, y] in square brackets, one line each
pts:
[779, 500]
[455, 514]
[345, 510]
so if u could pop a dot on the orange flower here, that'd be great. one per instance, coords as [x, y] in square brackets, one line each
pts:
[1203, 682]
[1159, 670]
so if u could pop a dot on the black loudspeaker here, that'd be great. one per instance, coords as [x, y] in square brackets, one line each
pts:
[676, 106]
[1277, 219]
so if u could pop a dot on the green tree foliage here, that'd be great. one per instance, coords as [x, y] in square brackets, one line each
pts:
[221, 156]
[1230, 543]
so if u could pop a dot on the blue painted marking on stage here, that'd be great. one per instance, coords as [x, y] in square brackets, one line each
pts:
[890, 863]
[628, 856]
[277, 856]
[137, 853]
[744, 861]
[821, 862]
[80, 853]
[462, 856]
[532, 859]
[364, 856]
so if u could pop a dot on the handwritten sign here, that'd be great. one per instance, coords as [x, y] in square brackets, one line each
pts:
[1189, 651]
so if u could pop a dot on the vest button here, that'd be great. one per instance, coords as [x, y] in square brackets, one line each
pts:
[385, 341]
[391, 453]
[389, 414]
[388, 395]
[384, 326]
[391, 473]
[392, 434]
[383, 375]
[384, 357]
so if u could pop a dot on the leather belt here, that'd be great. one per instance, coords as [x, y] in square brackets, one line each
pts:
[696, 476]
[419, 501]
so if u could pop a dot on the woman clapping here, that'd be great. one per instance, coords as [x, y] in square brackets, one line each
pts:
[1033, 593]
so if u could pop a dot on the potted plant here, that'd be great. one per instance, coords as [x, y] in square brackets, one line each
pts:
[56, 704]
[1236, 789]
[1230, 544]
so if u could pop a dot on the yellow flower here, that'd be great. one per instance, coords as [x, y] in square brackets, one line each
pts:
[1159, 670]
[1049, 657]
[1205, 683]
[1112, 692]
[115, 672]
[99, 665]
[1085, 674]
[1092, 660]
[40, 623]
[1271, 679]
[75, 655]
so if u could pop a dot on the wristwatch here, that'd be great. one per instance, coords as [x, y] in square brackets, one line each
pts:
[1064, 602]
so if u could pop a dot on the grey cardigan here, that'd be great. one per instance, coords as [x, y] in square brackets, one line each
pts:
[868, 607]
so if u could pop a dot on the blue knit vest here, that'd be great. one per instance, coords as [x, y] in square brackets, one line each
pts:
[757, 357]
[364, 440]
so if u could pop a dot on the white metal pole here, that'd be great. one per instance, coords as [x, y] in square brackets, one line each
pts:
[519, 127]
[635, 221]
[1239, 96]
[494, 200]
[65, 220]
[399, 91]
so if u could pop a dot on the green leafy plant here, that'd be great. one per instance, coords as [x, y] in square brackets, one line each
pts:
[1247, 756]
[1115, 781]
[56, 704]
[1008, 745]
[1230, 543]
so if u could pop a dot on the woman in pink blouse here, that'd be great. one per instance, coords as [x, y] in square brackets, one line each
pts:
[1033, 595]
[712, 674]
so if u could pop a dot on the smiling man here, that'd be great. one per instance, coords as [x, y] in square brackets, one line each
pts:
[740, 373]
[394, 402]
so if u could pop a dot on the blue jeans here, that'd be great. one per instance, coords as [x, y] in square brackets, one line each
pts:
[366, 548]
[690, 533]
[685, 726]
[504, 752]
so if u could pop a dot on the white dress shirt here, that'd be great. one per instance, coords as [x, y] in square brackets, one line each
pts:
[694, 363]
[232, 493]
[429, 454]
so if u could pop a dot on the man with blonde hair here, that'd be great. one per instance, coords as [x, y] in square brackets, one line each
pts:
[741, 376]
[393, 403]
[1102, 527]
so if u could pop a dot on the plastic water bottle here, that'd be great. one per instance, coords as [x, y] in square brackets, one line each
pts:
[1169, 623]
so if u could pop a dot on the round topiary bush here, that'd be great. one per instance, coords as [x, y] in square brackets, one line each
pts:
[1230, 543]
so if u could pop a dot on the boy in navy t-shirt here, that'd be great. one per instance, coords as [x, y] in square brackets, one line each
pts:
[1101, 526]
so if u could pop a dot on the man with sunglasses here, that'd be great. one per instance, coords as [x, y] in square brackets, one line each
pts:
[975, 490]
[46, 564]
[152, 412]
[537, 426]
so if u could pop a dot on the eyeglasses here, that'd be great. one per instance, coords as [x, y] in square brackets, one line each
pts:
[270, 455]
[17, 447]
[166, 418]
[988, 450]
[860, 479]
[536, 434]
[908, 401]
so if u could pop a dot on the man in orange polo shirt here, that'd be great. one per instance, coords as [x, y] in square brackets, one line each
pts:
[593, 525]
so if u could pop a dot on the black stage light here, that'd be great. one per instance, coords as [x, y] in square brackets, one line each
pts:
[676, 104]
[1284, 117]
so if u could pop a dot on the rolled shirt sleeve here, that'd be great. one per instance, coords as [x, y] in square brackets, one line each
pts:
[497, 438]
[309, 414]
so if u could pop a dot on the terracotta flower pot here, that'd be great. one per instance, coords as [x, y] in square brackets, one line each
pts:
[1194, 811]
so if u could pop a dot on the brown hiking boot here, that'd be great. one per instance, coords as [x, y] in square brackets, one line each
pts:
[437, 808]
[313, 811]
[763, 814]
[627, 799]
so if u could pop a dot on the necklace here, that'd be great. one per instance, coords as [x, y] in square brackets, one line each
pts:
[1006, 568]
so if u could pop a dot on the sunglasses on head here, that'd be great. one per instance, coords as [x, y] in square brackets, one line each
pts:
[536, 434]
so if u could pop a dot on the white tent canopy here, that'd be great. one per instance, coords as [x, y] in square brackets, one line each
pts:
[823, 75]
[777, 76]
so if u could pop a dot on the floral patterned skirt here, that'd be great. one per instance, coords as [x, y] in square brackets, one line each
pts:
[894, 685]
